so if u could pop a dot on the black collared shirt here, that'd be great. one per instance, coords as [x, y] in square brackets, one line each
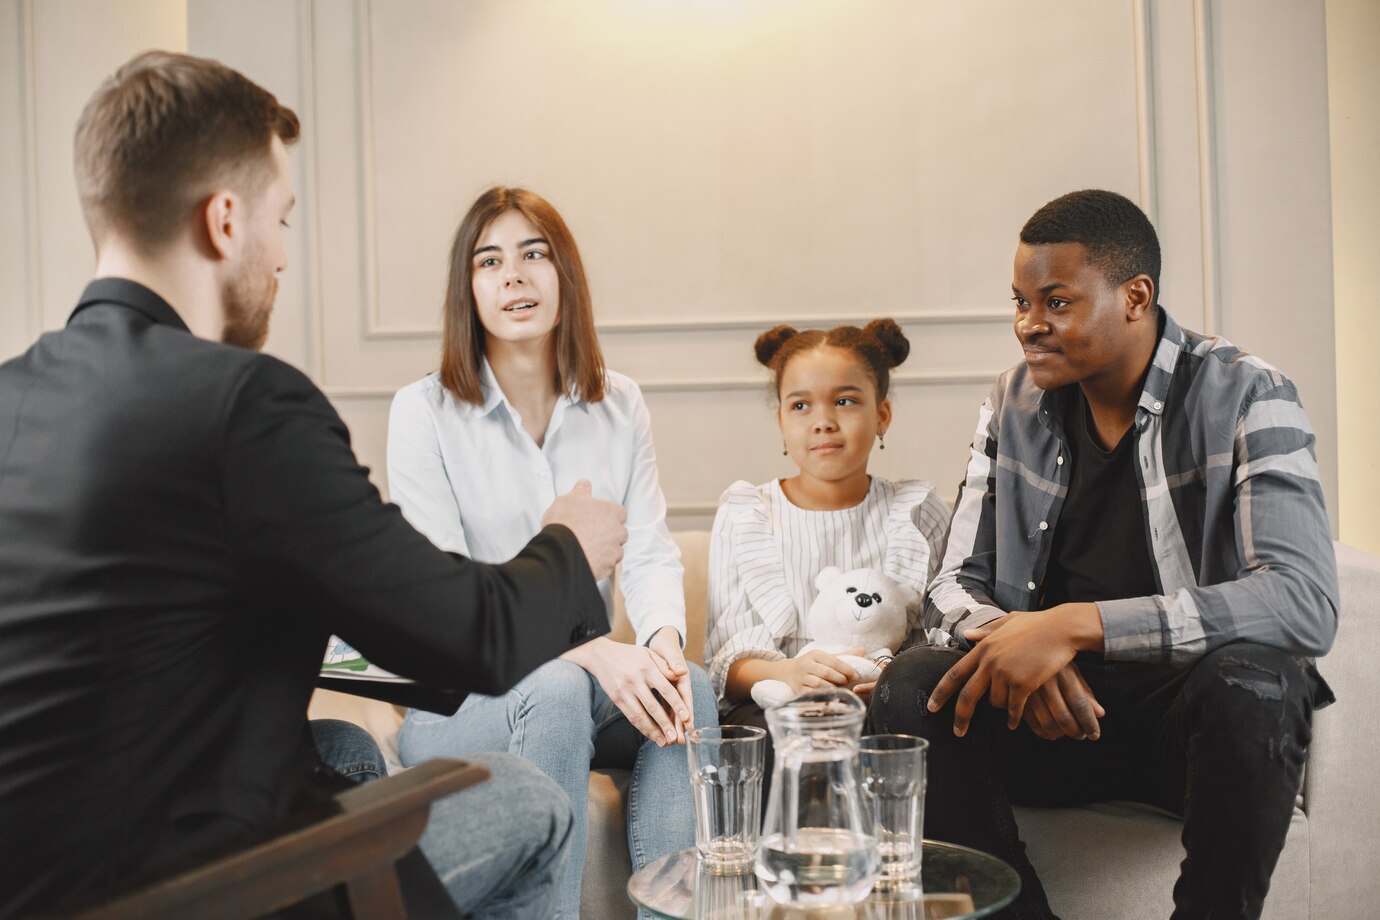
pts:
[182, 525]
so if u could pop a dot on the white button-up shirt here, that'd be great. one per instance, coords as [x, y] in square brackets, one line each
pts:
[474, 482]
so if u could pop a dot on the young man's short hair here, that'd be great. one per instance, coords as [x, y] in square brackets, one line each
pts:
[164, 132]
[1120, 239]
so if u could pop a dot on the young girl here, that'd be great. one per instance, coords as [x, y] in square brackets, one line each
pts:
[521, 411]
[770, 541]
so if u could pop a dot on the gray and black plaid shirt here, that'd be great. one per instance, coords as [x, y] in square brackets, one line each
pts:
[1233, 505]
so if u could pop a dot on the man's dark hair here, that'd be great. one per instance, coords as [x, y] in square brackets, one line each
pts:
[162, 133]
[1120, 239]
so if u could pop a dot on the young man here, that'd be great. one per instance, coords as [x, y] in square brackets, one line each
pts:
[1139, 559]
[183, 524]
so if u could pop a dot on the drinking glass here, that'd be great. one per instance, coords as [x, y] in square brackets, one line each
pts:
[893, 784]
[726, 778]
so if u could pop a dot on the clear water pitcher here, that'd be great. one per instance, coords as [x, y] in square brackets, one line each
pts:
[817, 846]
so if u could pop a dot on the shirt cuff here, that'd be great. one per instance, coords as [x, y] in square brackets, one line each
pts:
[654, 624]
[1132, 629]
[973, 619]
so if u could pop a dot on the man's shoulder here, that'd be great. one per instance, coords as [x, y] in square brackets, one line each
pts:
[244, 371]
[1220, 374]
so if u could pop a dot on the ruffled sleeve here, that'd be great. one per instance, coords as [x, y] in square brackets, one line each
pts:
[750, 608]
[916, 524]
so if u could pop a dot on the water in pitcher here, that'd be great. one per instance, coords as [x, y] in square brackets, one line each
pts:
[817, 866]
[818, 846]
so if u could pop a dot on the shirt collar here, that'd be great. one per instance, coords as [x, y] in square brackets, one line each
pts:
[488, 385]
[494, 397]
[131, 294]
[1054, 403]
[1154, 393]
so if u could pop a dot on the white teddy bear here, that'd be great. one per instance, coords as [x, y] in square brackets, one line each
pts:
[861, 608]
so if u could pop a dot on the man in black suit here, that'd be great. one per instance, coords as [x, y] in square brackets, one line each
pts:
[183, 523]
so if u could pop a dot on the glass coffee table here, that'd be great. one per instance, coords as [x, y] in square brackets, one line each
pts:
[956, 882]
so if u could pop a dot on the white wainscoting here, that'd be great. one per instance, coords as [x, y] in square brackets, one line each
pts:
[730, 164]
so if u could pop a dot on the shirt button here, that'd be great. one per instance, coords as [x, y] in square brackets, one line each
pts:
[1031, 586]
[1158, 406]
[1044, 525]
[1060, 461]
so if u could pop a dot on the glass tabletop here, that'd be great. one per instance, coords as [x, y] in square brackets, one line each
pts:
[956, 882]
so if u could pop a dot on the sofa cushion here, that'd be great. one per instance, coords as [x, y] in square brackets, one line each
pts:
[1121, 859]
[603, 889]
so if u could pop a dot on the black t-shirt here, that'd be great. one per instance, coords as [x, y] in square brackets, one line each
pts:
[1100, 551]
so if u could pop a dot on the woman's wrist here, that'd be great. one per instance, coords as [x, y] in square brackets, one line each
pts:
[667, 636]
[585, 653]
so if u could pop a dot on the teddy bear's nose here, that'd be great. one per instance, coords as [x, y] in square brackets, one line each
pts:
[863, 600]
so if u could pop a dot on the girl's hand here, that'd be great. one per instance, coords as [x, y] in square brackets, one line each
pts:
[633, 676]
[864, 691]
[666, 643]
[816, 669]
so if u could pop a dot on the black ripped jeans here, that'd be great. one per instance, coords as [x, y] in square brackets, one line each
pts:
[1222, 743]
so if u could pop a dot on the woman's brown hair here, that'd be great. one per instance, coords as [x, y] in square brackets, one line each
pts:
[579, 362]
[879, 346]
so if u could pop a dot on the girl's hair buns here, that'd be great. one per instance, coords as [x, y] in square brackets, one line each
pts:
[880, 346]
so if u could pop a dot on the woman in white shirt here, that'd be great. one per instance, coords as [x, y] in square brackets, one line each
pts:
[521, 411]
[771, 540]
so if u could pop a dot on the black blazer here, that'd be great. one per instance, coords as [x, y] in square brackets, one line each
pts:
[182, 525]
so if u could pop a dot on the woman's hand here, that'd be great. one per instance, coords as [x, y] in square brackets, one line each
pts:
[816, 669]
[633, 677]
[666, 643]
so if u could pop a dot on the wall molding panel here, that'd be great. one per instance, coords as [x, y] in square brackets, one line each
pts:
[33, 265]
[727, 167]
[1207, 159]
[717, 384]
[737, 324]
[1145, 106]
[719, 186]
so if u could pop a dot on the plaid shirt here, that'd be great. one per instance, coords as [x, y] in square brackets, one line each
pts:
[1234, 513]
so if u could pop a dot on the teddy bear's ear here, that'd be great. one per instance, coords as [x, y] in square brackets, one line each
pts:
[826, 575]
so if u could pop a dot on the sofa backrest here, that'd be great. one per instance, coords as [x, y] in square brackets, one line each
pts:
[694, 555]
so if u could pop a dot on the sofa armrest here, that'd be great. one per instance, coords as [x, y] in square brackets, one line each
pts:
[1340, 794]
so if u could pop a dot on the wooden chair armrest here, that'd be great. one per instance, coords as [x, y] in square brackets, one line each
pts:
[378, 823]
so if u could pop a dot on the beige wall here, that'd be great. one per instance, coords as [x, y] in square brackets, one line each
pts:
[1353, 42]
[53, 54]
[732, 164]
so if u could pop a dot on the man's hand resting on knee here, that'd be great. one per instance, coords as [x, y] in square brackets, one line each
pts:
[597, 524]
[1014, 658]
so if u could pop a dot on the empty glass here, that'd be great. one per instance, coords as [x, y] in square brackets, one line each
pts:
[726, 778]
[893, 784]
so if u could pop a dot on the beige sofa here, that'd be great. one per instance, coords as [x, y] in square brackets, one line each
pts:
[1114, 859]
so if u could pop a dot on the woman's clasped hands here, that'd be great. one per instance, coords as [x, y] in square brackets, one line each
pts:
[649, 684]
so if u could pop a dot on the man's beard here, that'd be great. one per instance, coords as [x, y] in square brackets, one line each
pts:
[248, 303]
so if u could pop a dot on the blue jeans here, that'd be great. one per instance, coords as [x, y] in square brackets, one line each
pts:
[499, 848]
[560, 719]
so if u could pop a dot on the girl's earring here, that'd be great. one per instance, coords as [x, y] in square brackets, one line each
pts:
[881, 441]
[783, 449]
